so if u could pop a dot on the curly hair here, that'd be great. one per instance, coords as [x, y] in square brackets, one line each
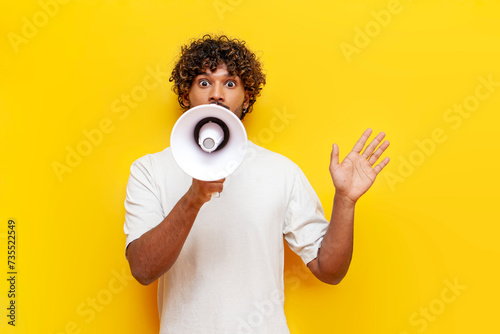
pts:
[209, 52]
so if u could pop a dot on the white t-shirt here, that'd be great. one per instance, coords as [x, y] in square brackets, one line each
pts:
[228, 277]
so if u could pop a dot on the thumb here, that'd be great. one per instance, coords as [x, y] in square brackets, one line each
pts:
[334, 158]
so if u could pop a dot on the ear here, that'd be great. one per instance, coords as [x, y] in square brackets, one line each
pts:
[185, 99]
[246, 101]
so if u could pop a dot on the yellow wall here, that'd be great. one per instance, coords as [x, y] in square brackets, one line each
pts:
[426, 235]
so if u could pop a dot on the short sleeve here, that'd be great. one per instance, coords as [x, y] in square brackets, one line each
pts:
[143, 209]
[305, 223]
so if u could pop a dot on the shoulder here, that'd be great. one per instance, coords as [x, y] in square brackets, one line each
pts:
[153, 159]
[154, 164]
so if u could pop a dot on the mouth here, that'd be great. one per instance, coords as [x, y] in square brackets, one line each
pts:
[220, 104]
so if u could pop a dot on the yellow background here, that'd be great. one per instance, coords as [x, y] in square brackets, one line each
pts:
[429, 221]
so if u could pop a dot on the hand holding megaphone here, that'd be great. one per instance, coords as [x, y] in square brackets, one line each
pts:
[202, 191]
[208, 142]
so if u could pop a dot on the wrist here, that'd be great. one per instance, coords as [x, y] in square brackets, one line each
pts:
[192, 201]
[344, 200]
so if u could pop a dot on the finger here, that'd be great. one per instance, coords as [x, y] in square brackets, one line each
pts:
[374, 157]
[215, 187]
[361, 142]
[213, 190]
[206, 188]
[381, 165]
[334, 159]
[371, 147]
[215, 181]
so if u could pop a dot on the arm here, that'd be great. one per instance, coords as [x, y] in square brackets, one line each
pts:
[155, 251]
[351, 178]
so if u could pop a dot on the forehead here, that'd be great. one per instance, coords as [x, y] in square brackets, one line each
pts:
[221, 71]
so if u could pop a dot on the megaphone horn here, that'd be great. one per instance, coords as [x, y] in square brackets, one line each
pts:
[208, 142]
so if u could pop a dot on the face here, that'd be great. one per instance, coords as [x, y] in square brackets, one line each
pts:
[220, 88]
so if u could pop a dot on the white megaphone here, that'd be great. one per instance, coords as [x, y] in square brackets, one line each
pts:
[208, 142]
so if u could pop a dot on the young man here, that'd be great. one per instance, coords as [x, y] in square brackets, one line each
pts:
[219, 261]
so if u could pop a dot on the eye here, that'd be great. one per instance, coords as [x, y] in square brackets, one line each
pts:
[231, 84]
[204, 83]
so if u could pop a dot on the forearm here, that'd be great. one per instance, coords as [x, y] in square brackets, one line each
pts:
[156, 251]
[335, 254]
[351, 178]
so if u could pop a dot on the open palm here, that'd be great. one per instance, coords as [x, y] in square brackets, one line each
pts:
[356, 174]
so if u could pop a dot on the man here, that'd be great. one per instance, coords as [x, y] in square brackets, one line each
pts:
[220, 261]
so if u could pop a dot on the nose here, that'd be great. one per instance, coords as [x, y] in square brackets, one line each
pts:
[217, 94]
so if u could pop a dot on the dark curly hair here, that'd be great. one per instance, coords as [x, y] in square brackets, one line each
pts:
[210, 51]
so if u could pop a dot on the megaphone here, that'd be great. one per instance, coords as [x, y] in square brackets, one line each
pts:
[208, 142]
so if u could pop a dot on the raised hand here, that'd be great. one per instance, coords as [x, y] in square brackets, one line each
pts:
[356, 173]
